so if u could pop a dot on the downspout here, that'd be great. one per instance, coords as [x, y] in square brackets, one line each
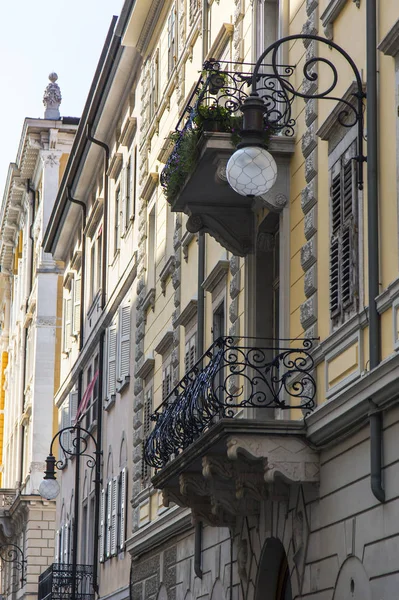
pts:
[376, 437]
[29, 189]
[200, 352]
[205, 30]
[82, 205]
[97, 484]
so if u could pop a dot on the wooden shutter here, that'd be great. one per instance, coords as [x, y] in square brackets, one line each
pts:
[67, 323]
[124, 342]
[114, 516]
[123, 502]
[62, 544]
[65, 422]
[343, 242]
[109, 518]
[76, 305]
[57, 546]
[166, 380]
[111, 370]
[102, 526]
[190, 353]
[147, 410]
[66, 543]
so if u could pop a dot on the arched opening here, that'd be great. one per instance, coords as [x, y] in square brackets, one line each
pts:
[273, 580]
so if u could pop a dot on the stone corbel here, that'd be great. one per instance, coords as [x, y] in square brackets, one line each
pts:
[288, 457]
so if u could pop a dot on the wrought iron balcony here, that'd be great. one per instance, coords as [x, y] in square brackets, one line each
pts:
[194, 179]
[56, 582]
[233, 374]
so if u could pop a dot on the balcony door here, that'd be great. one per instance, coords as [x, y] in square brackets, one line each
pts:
[273, 578]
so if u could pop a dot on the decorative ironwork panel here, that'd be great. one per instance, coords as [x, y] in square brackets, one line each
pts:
[56, 582]
[234, 373]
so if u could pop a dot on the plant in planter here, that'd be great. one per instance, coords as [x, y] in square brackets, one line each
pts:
[212, 118]
[181, 162]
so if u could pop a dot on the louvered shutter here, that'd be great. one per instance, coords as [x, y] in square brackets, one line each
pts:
[123, 502]
[111, 370]
[66, 543]
[57, 547]
[109, 518]
[124, 342]
[65, 422]
[62, 544]
[114, 516]
[76, 305]
[67, 323]
[102, 526]
[343, 245]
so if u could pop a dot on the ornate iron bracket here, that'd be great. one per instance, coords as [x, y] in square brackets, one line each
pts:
[14, 555]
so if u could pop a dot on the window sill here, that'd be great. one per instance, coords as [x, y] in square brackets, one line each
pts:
[123, 384]
[109, 402]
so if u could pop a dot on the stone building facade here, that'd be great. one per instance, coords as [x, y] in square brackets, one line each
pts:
[29, 344]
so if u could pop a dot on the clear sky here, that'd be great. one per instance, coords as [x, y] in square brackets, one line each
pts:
[40, 36]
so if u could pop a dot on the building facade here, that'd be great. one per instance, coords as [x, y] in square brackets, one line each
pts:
[186, 305]
[30, 339]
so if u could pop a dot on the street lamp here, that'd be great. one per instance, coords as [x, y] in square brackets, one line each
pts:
[49, 487]
[251, 170]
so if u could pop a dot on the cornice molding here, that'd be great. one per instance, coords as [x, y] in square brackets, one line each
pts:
[389, 44]
[331, 12]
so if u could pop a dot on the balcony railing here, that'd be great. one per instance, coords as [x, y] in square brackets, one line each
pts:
[233, 374]
[56, 582]
[218, 96]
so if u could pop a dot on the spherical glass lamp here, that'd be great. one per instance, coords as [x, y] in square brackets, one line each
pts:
[49, 489]
[251, 171]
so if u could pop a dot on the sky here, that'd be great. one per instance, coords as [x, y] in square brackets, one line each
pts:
[36, 38]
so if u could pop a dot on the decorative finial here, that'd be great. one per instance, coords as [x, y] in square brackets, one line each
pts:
[52, 98]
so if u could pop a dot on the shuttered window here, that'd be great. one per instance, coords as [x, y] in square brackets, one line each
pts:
[190, 353]
[124, 342]
[122, 508]
[147, 411]
[109, 518]
[154, 77]
[114, 516]
[102, 525]
[111, 366]
[65, 441]
[192, 10]
[76, 305]
[166, 379]
[67, 323]
[171, 40]
[344, 239]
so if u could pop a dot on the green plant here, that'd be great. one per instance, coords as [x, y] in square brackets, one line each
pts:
[182, 161]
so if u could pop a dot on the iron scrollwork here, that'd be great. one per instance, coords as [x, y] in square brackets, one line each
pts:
[14, 556]
[233, 374]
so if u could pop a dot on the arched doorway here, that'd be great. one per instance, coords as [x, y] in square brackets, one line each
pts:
[273, 581]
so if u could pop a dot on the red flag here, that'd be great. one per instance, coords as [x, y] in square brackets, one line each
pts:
[86, 397]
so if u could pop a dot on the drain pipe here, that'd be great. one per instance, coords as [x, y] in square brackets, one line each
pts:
[82, 205]
[376, 437]
[97, 484]
[200, 352]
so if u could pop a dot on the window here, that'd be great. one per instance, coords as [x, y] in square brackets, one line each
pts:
[128, 195]
[92, 393]
[166, 377]
[171, 40]
[67, 323]
[190, 352]
[63, 544]
[117, 219]
[113, 516]
[118, 351]
[344, 238]
[95, 262]
[147, 412]
[192, 10]
[154, 78]
[76, 305]
[265, 24]
[151, 250]
[68, 416]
